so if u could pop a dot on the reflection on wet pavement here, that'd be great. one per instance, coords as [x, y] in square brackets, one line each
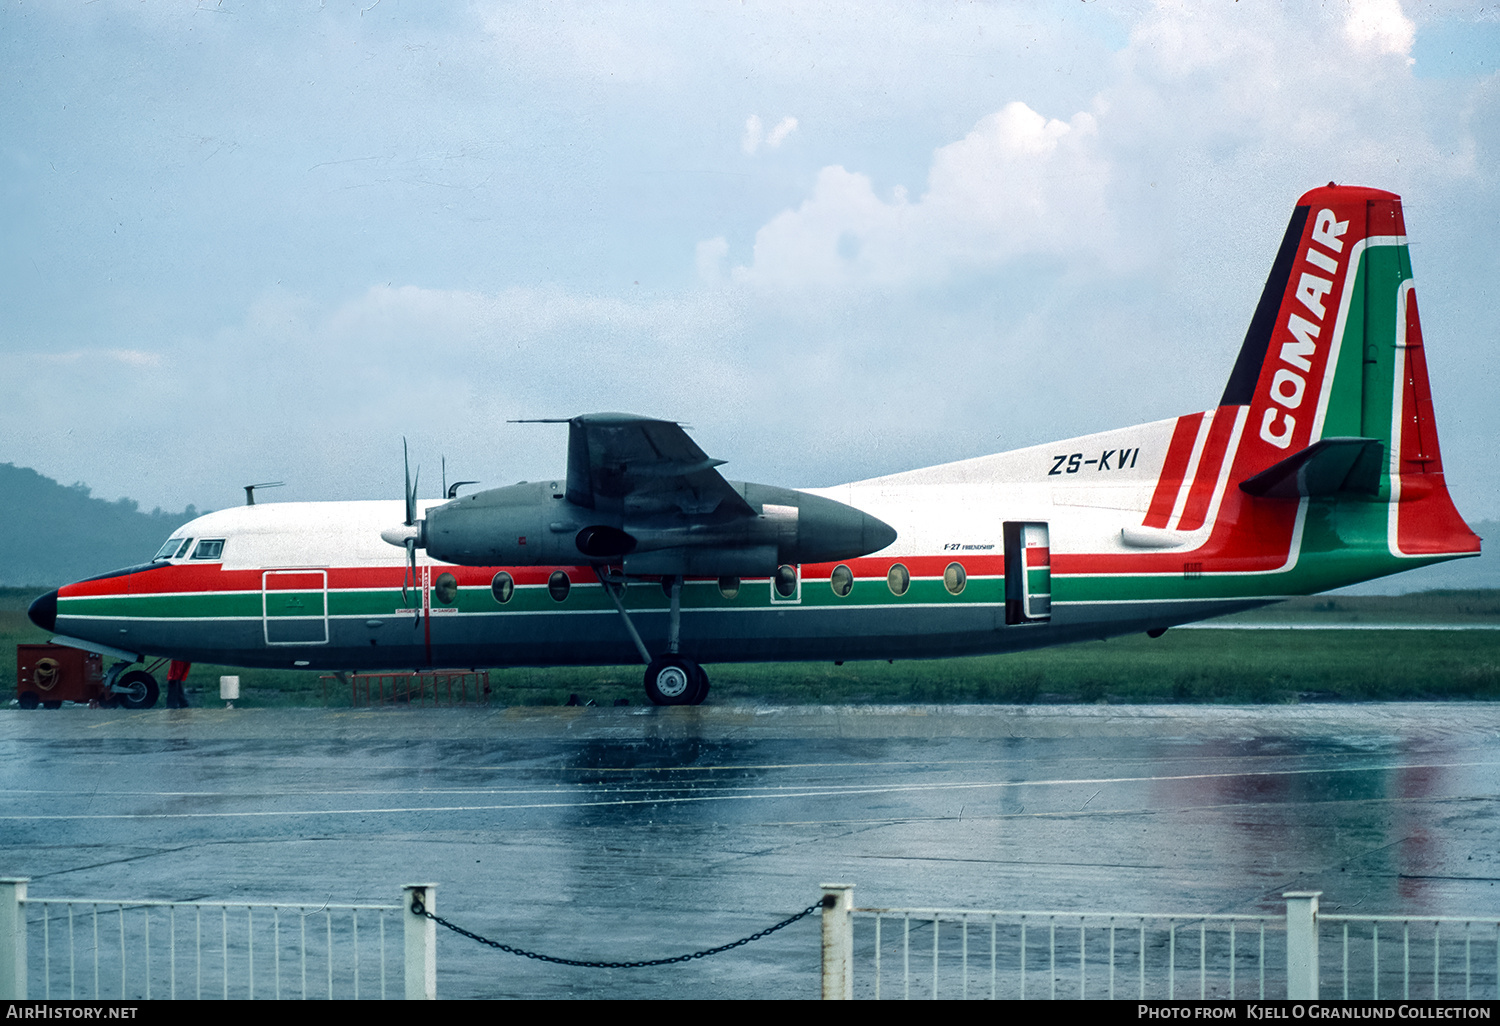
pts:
[619, 834]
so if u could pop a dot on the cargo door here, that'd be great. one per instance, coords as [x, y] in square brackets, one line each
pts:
[1028, 573]
[295, 606]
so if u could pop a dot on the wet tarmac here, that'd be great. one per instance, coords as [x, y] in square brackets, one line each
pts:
[629, 833]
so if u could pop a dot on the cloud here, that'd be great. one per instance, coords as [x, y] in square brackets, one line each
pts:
[96, 357]
[1012, 220]
[1380, 25]
[1017, 184]
[778, 135]
[755, 134]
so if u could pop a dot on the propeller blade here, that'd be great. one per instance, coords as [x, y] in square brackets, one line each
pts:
[411, 557]
[411, 576]
[409, 571]
[411, 492]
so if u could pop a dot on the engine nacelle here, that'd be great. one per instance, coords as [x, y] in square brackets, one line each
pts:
[535, 525]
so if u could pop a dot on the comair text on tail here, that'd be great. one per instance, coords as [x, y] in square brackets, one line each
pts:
[1320, 467]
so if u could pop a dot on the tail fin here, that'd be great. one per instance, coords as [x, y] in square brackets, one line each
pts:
[1334, 375]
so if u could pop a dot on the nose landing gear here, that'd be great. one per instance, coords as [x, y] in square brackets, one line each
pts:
[137, 690]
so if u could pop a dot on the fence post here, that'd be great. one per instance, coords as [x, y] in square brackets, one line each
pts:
[838, 942]
[421, 943]
[13, 937]
[1302, 945]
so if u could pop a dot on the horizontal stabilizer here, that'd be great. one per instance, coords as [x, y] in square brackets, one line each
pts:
[1348, 467]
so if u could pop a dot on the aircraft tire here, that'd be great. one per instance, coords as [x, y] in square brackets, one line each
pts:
[55, 703]
[700, 684]
[140, 690]
[29, 699]
[672, 680]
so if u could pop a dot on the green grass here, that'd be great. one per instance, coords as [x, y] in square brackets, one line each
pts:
[1448, 607]
[1253, 666]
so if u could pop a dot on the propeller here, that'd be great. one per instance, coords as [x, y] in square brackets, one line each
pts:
[409, 534]
[411, 521]
[412, 534]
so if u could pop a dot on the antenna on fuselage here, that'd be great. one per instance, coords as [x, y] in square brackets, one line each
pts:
[451, 490]
[250, 490]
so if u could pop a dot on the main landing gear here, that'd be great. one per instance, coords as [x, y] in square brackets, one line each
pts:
[671, 679]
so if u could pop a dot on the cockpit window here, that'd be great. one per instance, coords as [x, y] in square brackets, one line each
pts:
[173, 548]
[209, 548]
[182, 551]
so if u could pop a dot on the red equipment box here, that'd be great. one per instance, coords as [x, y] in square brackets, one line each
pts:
[52, 674]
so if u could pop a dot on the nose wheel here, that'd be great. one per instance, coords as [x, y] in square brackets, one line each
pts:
[674, 680]
[136, 690]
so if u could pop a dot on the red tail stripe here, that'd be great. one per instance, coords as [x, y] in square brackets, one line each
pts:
[1209, 464]
[1167, 485]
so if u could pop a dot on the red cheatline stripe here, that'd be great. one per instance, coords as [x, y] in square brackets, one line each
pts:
[1038, 557]
[1208, 470]
[1170, 481]
[169, 579]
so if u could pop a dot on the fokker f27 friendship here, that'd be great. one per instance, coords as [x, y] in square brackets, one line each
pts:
[1319, 467]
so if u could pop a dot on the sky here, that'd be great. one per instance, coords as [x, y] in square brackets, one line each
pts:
[250, 242]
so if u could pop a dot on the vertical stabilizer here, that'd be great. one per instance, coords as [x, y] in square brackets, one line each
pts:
[1333, 372]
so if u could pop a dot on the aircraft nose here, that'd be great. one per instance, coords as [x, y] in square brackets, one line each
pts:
[43, 611]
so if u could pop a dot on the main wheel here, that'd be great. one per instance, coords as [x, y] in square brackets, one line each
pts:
[672, 680]
[138, 690]
[55, 703]
[30, 700]
[700, 685]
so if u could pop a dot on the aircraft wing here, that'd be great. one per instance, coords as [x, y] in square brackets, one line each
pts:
[621, 463]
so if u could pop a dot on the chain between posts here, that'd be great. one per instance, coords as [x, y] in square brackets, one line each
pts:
[419, 909]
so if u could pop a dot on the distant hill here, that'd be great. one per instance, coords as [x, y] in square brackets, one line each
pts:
[56, 533]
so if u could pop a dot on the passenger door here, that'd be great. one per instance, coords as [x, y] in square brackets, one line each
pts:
[1028, 573]
[294, 604]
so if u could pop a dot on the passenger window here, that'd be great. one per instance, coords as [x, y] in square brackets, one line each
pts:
[503, 587]
[209, 548]
[841, 580]
[954, 578]
[898, 580]
[786, 581]
[558, 585]
[729, 587]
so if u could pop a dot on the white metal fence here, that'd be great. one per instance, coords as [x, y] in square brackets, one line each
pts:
[953, 953]
[77, 948]
[1010, 954]
[1410, 957]
[111, 948]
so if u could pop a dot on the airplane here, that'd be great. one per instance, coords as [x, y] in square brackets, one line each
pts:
[1318, 468]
